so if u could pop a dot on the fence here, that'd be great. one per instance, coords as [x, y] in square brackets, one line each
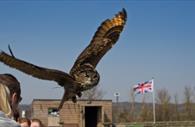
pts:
[151, 124]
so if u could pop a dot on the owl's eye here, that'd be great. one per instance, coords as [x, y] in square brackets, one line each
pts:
[95, 76]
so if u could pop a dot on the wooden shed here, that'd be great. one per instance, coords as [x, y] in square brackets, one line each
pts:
[84, 113]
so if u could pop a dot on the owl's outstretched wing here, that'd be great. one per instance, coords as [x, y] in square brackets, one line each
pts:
[103, 40]
[35, 71]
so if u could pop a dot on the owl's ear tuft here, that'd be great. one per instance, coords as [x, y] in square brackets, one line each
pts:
[10, 50]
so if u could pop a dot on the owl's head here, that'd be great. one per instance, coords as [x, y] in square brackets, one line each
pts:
[87, 76]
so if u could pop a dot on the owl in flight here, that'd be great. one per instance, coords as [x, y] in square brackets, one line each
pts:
[83, 75]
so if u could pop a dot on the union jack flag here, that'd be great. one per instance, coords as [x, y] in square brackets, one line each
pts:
[144, 87]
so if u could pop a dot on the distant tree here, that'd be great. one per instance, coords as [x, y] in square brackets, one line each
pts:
[120, 113]
[132, 106]
[163, 105]
[123, 116]
[93, 94]
[146, 113]
[176, 111]
[188, 103]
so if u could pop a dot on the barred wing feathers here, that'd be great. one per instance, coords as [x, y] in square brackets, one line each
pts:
[33, 70]
[103, 40]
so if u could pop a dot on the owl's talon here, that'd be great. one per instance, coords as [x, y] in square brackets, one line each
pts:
[79, 94]
[74, 99]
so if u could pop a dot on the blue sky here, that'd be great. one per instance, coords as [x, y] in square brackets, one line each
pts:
[158, 41]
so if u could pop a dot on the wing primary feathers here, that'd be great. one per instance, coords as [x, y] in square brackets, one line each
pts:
[103, 40]
[36, 71]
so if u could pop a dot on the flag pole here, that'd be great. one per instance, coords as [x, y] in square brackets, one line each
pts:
[153, 98]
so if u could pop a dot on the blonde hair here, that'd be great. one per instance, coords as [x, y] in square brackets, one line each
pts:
[8, 86]
[5, 100]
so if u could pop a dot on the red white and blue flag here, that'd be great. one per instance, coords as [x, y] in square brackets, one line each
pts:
[144, 87]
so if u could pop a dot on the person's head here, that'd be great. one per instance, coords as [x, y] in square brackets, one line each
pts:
[9, 94]
[24, 122]
[36, 123]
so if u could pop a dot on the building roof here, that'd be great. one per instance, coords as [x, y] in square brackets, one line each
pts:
[70, 100]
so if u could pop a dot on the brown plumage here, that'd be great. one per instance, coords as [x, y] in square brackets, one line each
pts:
[83, 75]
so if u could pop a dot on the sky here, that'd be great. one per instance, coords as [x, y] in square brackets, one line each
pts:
[158, 41]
